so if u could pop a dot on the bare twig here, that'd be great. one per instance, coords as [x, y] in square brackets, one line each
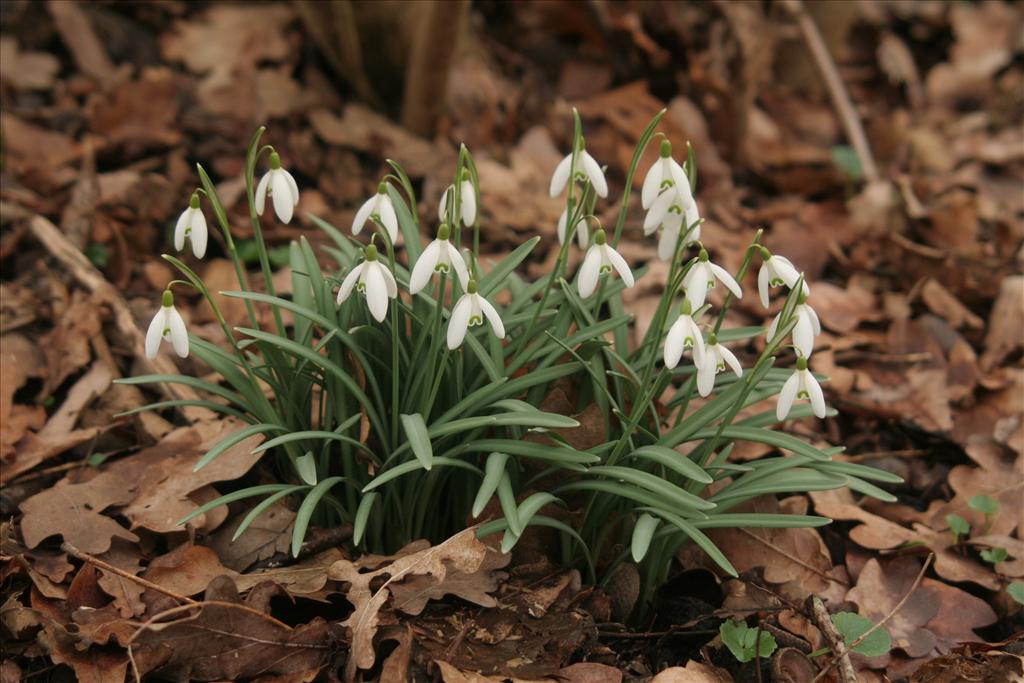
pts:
[107, 567]
[836, 89]
[841, 655]
[794, 560]
[857, 641]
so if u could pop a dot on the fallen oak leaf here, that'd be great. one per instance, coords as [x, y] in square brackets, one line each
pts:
[222, 638]
[463, 553]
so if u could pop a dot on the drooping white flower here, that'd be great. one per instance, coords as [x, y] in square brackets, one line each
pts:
[582, 231]
[280, 186]
[712, 361]
[467, 202]
[167, 324]
[665, 173]
[671, 213]
[372, 278]
[701, 277]
[601, 258]
[191, 225]
[586, 169]
[684, 334]
[807, 327]
[776, 271]
[378, 206]
[440, 256]
[469, 311]
[800, 385]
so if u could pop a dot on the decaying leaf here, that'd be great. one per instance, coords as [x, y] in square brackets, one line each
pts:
[451, 565]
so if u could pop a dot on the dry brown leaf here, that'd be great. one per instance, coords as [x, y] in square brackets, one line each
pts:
[187, 570]
[942, 302]
[1006, 324]
[224, 638]
[303, 578]
[269, 533]
[74, 511]
[142, 113]
[26, 70]
[936, 616]
[693, 672]
[461, 556]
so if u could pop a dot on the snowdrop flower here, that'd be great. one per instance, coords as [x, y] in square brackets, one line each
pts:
[684, 334]
[167, 324]
[601, 258]
[801, 384]
[374, 280]
[665, 173]
[582, 231]
[280, 186]
[587, 169]
[470, 311]
[671, 212]
[378, 206]
[701, 277]
[440, 256]
[776, 271]
[467, 202]
[807, 327]
[711, 362]
[192, 226]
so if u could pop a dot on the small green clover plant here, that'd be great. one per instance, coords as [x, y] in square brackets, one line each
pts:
[959, 527]
[746, 643]
[381, 406]
[853, 628]
[986, 505]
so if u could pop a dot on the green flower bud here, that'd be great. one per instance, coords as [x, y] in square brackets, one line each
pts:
[275, 160]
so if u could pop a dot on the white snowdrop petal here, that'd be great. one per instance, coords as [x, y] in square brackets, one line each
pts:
[785, 270]
[814, 391]
[281, 195]
[668, 242]
[696, 285]
[363, 214]
[706, 375]
[389, 280]
[561, 176]
[730, 360]
[682, 183]
[424, 267]
[459, 322]
[492, 317]
[726, 279]
[388, 218]
[458, 264]
[179, 335]
[596, 175]
[620, 266]
[292, 185]
[349, 283]
[787, 396]
[179, 229]
[561, 226]
[763, 283]
[442, 206]
[815, 322]
[803, 335]
[659, 209]
[376, 292]
[589, 271]
[651, 186]
[773, 328]
[261, 193]
[200, 234]
[155, 332]
[674, 342]
[468, 204]
[698, 338]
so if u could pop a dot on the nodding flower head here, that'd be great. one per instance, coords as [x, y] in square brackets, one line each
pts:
[775, 272]
[601, 258]
[800, 385]
[471, 310]
[440, 256]
[684, 334]
[582, 231]
[191, 226]
[665, 175]
[586, 169]
[380, 208]
[702, 276]
[372, 279]
[280, 186]
[806, 329]
[713, 360]
[467, 201]
[167, 325]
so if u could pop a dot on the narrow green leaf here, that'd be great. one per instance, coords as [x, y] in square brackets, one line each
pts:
[363, 516]
[261, 507]
[419, 439]
[643, 532]
[494, 468]
[305, 512]
[674, 460]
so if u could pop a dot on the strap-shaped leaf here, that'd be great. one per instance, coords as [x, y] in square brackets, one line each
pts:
[363, 516]
[263, 506]
[674, 460]
[235, 438]
[668, 491]
[419, 439]
[494, 468]
[305, 512]
[643, 532]
[415, 466]
[700, 538]
[231, 498]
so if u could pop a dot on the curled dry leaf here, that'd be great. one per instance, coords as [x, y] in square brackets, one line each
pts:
[462, 565]
[693, 672]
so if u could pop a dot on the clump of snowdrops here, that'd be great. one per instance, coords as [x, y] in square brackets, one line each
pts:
[403, 398]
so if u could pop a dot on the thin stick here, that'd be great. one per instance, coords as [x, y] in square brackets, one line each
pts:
[896, 608]
[836, 89]
[107, 567]
[841, 655]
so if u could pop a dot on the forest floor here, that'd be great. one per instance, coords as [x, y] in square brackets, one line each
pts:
[914, 249]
